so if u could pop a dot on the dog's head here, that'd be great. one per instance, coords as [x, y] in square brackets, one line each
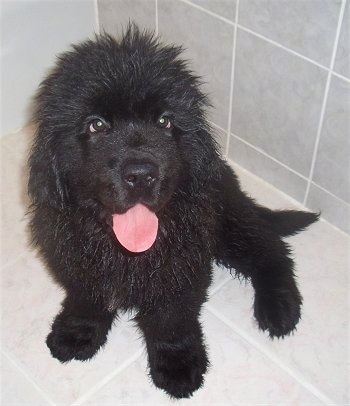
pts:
[120, 125]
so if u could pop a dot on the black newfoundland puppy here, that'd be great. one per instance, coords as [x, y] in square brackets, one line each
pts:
[131, 203]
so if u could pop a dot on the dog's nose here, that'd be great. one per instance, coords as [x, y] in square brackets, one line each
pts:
[140, 175]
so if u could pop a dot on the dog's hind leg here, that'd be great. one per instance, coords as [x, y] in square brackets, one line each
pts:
[79, 330]
[248, 240]
[263, 258]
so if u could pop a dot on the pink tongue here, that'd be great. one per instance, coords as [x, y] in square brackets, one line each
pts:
[136, 229]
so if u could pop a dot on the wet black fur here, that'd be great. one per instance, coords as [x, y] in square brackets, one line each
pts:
[76, 184]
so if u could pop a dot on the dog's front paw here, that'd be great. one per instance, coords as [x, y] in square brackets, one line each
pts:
[278, 312]
[73, 338]
[179, 373]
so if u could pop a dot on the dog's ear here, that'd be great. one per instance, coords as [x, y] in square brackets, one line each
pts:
[46, 184]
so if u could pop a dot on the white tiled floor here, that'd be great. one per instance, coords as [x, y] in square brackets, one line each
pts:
[308, 368]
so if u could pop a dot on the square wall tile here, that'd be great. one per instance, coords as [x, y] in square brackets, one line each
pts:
[267, 169]
[208, 44]
[263, 192]
[307, 27]
[277, 101]
[224, 8]
[334, 210]
[114, 15]
[332, 168]
[342, 60]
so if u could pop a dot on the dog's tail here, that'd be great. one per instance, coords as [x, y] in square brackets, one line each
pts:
[287, 222]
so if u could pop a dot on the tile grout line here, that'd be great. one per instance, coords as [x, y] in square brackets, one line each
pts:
[255, 344]
[254, 33]
[83, 398]
[219, 286]
[13, 132]
[291, 199]
[334, 227]
[339, 76]
[278, 45]
[330, 193]
[232, 80]
[262, 152]
[262, 37]
[26, 375]
[324, 102]
[257, 149]
[157, 18]
[329, 70]
[211, 13]
[97, 17]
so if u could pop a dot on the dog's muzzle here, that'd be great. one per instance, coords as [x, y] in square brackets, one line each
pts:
[140, 177]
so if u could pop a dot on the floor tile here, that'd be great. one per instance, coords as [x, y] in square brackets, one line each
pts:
[238, 375]
[14, 201]
[299, 25]
[16, 389]
[246, 368]
[19, 143]
[31, 301]
[319, 349]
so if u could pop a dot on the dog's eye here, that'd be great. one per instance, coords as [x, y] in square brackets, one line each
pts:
[96, 126]
[164, 122]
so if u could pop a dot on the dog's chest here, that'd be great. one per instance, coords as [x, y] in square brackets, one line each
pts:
[156, 279]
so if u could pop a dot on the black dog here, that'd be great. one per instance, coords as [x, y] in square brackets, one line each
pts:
[131, 203]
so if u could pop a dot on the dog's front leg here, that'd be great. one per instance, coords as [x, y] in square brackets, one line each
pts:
[176, 353]
[79, 330]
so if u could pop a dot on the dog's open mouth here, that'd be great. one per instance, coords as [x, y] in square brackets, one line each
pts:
[136, 229]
